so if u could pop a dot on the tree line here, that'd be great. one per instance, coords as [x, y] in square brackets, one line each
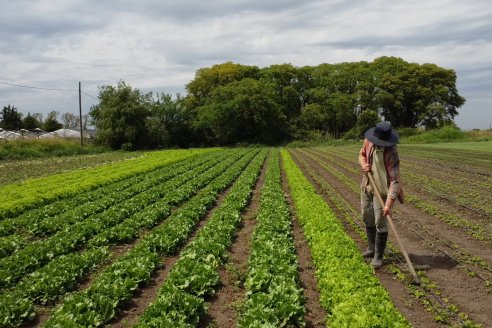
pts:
[230, 103]
[11, 119]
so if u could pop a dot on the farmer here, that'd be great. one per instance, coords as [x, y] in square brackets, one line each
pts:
[380, 157]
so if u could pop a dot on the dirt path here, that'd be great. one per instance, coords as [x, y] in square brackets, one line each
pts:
[222, 306]
[472, 212]
[315, 314]
[453, 240]
[472, 256]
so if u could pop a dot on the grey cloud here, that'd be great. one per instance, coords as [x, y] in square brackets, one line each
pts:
[460, 33]
[55, 42]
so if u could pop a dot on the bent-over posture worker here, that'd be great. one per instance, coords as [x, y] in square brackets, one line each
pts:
[379, 156]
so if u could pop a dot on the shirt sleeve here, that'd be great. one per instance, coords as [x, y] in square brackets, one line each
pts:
[362, 153]
[393, 170]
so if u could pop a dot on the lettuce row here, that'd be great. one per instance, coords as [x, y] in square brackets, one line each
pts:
[180, 301]
[47, 284]
[144, 183]
[273, 294]
[19, 197]
[98, 304]
[153, 214]
[20, 307]
[349, 291]
[37, 254]
[41, 225]
[180, 177]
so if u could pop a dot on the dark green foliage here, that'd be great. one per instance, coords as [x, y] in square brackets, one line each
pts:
[412, 95]
[30, 122]
[366, 120]
[230, 104]
[243, 111]
[51, 123]
[10, 118]
[120, 116]
[169, 123]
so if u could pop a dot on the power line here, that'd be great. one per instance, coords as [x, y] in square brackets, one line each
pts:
[88, 95]
[38, 88]
[49, 89]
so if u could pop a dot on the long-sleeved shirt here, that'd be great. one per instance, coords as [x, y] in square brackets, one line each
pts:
[391, 164]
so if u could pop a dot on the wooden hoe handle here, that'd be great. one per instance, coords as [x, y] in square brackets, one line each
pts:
[416, 278]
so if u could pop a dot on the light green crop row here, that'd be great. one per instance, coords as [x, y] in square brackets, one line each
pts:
[349, 291]
[19, 197]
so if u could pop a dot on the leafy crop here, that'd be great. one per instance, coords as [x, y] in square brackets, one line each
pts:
[351, 300]
[195, 275]
[97, 304]
[36, 254]
[273, 294]
[18, 198]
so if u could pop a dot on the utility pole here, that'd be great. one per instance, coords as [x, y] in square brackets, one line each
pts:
[80, 116]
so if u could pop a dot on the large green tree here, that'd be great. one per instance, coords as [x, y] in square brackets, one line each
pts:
[291, 84]
[208, 79]
[246, 111]
[169, 122]
[30, 122]
[121, 117]
[411, 95]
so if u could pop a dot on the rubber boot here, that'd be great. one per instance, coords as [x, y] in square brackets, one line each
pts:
[371, 239]
[381, 238]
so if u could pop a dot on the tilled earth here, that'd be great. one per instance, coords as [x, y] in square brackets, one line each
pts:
[454, 266]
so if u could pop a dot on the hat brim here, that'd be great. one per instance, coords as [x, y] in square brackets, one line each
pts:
[391, 141]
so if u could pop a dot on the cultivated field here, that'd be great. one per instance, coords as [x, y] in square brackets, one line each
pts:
[245, 237]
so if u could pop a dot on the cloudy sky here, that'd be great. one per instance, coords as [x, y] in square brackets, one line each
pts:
[158, 45]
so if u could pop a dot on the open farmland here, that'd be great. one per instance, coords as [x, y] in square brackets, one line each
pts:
[245, 237]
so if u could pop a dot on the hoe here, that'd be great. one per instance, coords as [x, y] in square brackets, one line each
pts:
[416, 278]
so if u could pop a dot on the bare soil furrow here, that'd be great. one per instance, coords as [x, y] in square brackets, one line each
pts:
[222, 306]
[455, 283]
[477, 227]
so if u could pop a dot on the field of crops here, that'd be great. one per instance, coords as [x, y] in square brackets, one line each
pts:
[246, 237]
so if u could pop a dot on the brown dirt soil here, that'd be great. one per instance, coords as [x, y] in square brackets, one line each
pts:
[315, 314]
[444, 205]
[130, 312]
[222, 306]
[429, 229]
[420, 233]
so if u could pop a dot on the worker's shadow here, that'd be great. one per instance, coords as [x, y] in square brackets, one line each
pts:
[429, 262]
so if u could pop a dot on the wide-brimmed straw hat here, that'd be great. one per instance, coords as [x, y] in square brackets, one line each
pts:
[382, 135]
